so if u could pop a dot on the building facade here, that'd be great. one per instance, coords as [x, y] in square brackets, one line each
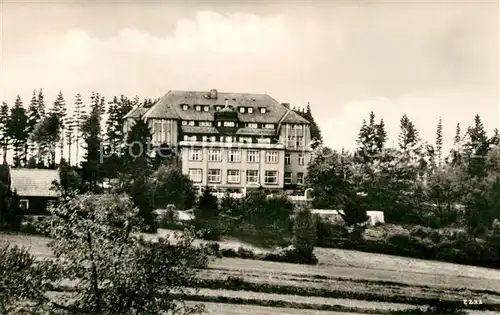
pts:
[231, 141]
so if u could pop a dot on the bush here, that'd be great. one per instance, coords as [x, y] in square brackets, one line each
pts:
[291, 255]
[304, 236]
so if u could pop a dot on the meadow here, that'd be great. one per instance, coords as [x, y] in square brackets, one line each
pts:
[344, 282]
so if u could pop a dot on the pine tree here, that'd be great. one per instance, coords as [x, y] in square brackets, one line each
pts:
[117, 109]
[316, 137]
[41, 103]
[4, 132]
[69, 135]
[476, 148]
[78, 114]
[456, 151]
[17, 126]
[59, 109]
[33, 118]
[369, 142]
[408, 136]
[439, 142]
[495, 140]
[458, 137]
[381, 136]
[91, 134]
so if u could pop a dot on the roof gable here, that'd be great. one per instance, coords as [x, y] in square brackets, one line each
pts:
[33, 182]
[136, 112]
[293, 118]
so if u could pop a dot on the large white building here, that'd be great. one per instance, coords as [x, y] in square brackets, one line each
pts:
[231, 140]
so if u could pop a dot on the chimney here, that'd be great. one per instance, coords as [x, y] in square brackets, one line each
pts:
[213, 94]
[287, 105]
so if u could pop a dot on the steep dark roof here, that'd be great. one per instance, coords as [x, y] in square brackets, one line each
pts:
[170, 106]
[294, 118]
[198, 129]
[164, 108]
[136, 112]
[33, 182]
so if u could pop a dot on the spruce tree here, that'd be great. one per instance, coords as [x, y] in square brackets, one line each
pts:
[476, 148]
[78, 116]
[91, 134]
[4, 132]
[495, 139]
[69, 135]
[17, 126]
[59, 109]
[381, 136]
[439, 142]
[456, 151]
[41, 103]
[33, 118]
[316, 137]
[117, 109]
[408, 136]
[371, 139]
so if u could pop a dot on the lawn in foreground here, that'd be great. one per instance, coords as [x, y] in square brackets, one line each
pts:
[340, 263]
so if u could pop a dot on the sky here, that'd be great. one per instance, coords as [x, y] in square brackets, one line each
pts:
[426, 59]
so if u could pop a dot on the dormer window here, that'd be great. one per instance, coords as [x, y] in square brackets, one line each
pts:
[205, 108]
[250, 110]
[205, 123]
[242, 110]
[198, 108]
[185, 107]
[262, 110]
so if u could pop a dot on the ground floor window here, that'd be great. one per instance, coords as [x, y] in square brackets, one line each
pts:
[214, 176]
[271, 177]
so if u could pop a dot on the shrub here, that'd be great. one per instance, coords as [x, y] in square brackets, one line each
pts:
[304, 235]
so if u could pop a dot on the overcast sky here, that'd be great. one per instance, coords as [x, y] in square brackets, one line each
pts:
[345, 58]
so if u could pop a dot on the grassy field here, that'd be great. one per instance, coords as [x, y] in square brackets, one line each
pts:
[372, 282]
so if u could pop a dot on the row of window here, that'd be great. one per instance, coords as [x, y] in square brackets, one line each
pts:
[226, 124]
[228, 139]
[300, 159]
[214, 176]
[206, 108]
[215, 155]
[288, 178]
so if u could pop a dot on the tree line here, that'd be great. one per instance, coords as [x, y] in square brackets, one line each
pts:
[414, 182]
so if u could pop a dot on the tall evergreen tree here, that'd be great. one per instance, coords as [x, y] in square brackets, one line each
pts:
[456, 151]
[59, 109]
[92, 137]
[4, 131]
[371, 139]
[439, 142]
[408, 136]
[46, 135]
[316, 137]
[381, 136]
[69, 135]
[33, 118]
[476, 148]
[117, 109]
[17, 126]
[495, 139]
[78, 116]
[41, 103]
